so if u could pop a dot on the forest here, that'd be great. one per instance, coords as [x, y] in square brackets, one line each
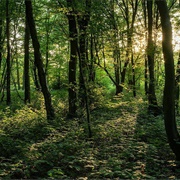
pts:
[89, 89]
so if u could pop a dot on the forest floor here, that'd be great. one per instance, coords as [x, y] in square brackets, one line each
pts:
[127, 143]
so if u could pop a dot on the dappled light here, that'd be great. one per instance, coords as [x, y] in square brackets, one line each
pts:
[126, 143]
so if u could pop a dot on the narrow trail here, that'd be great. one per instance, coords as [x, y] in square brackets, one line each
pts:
[127, 143]
[131, 143]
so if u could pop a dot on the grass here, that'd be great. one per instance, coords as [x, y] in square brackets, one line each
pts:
[127, 143]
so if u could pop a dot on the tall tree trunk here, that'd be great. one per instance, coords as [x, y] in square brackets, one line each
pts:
[26, 65]
[18, 74]
[116, 51]
[35, 78]
[169, 89]
[92, 73]
[146, 88]
[16, 57]
[133, 75]
[72, 93]
[153, 107]
[83, 64]
[146, 76]
[8, 71]
[38, 60]
[83, 21]
[130, 30]
[82, 52]
[128, 51]
[47, 45]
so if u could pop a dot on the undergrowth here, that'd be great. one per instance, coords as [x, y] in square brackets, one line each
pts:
[127, 143]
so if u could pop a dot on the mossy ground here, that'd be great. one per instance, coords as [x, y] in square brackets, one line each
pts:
[127, 143]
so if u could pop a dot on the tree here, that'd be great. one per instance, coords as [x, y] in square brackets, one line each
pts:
[130, 20]
[8, 59]
[83, 20]
[116, 50]
[38, 60]
[144, 6]
[169, 88]
[73, 60]
[92, 73]
[26, 65]
[153, 107]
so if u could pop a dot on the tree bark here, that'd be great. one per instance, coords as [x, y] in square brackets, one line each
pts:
[83, 21]
[146, 88]
[130, 31]
[153, 107]
[47, 44]
[72, 62]
[35, 78]
[8, 71]
[116, 51]
[26, 65]
[15, 44]
[169, 89]
[83, 95]
[38, 60]
[92, 73]
[133, 75]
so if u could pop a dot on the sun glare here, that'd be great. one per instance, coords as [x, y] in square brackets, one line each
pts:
[176, 40]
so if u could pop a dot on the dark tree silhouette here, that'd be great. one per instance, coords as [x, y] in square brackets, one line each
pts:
[38, 60]
[26, 65]
[73, 60]
[153, 106]
[8, 59]
[169, 89]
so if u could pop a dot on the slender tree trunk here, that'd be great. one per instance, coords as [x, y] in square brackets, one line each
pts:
[47, 45]
[116, 50]
[16, 57]
[8, 71]
[129, 46]
[146, 76]
[117, 71]
[3, 82]
[18, 74]
[26, 65]
[169, 89]
[83, 64]
[35, 78]
[47, 53]
[130, 30]
[83, 21]
[72, 92]
[144, 5]
[38, 60]
[91, 66]
[133, 76]
[153, 107]
[82, 50]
